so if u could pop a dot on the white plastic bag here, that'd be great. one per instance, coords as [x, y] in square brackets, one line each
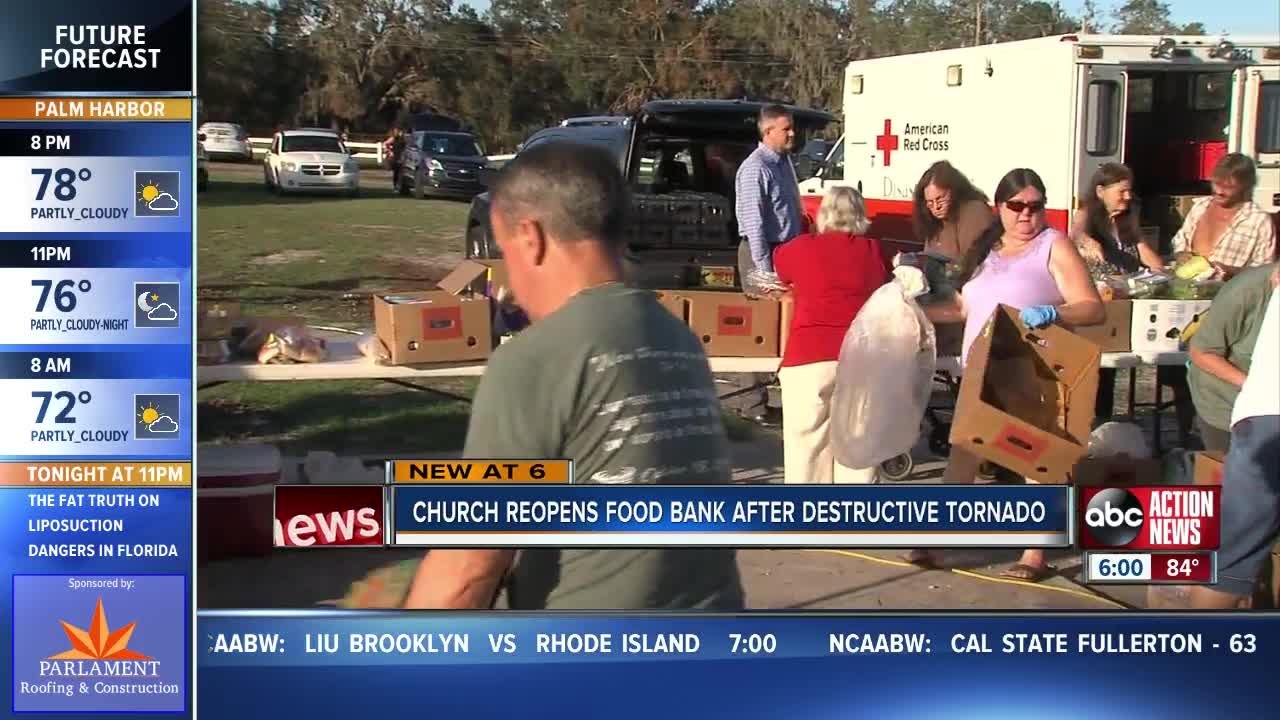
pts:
[1112, 439]
[885, 375]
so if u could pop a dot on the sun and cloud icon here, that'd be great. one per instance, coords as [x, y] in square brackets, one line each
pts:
[157, 193]
[155, 421]
[156, 417]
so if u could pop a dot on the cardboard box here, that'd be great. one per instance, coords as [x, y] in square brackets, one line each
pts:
[1027, 398]
[1208, 468]
[479, 277]
[1115, 334]
[433, 326]
[1158, 324]
[730, 324]
[217, 321]
[674, 303]
[1118, 472]
[786, 313]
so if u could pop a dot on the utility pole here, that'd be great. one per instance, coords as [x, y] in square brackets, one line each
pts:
[977, 28]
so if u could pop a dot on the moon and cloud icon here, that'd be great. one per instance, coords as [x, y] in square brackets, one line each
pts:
[163, 311]
[157, 305]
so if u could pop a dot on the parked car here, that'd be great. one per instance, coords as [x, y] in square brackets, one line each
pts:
[310, 160]
[680, 158]
[227, 141]
[442, 164]
[809, 160]
[202, 162]
[595, 120]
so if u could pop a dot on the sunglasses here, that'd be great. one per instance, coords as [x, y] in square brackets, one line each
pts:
[1018, 206]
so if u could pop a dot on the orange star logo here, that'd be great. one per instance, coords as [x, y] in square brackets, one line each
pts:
[98, 643]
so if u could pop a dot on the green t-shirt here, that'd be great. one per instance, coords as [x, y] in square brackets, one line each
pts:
[1229, 329]
[619, 385]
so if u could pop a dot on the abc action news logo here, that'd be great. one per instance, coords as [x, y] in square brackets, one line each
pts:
[328, 515]
[1150, 518]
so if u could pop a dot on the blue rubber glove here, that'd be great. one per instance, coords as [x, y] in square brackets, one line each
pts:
[1038, 316]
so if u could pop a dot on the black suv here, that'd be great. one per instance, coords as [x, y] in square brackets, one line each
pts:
[680, 158]
[438, 163]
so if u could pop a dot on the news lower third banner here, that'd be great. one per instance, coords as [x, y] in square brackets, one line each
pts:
[404, 664]
[492, 515]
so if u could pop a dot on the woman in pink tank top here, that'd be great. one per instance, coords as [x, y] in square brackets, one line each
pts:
[1021, 262]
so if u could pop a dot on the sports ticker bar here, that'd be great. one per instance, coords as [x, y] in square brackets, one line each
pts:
[97, 149]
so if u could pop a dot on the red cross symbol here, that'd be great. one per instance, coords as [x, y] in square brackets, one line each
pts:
[888, 142]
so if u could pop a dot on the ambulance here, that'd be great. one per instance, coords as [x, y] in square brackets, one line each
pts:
[1168, 107]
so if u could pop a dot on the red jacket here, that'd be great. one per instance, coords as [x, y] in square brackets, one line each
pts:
[831, 276]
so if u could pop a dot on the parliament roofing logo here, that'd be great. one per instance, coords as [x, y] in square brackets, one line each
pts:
[98, 651]
[98, 642]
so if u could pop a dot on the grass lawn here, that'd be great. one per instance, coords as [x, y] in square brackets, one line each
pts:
[321, 257]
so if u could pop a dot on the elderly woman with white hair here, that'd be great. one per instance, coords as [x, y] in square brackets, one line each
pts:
[831, 274]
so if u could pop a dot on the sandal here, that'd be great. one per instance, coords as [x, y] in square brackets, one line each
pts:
[1027, 573]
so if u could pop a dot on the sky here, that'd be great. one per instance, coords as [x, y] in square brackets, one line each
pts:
[1238, 17]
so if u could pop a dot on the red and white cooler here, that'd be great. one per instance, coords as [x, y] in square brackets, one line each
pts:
[235, 488]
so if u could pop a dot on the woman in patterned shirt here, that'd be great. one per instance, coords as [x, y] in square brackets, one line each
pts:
[1106, 229]
[1109, 238]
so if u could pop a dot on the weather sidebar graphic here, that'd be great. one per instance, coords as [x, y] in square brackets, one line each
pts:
[99, 643]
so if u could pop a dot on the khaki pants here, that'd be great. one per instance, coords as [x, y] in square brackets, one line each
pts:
[806, 418]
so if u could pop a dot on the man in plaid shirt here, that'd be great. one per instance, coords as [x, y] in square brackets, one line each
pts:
[1234, 234]
[1227, 227]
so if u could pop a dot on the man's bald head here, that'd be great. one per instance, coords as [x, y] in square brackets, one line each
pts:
[575, 192]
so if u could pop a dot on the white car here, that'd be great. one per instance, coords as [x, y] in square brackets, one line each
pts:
[307, 160]
[227, 140]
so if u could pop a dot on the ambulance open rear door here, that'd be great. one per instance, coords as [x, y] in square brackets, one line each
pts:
[1260, 131]
[1103, 92]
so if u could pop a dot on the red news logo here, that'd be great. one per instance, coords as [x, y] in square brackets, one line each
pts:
[328, 515]
[1150, 518]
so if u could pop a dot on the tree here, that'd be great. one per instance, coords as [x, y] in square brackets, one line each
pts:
[527, 64]
[1090, 19]
[1143, 17]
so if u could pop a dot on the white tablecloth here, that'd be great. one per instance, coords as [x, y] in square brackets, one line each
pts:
[346, 363]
